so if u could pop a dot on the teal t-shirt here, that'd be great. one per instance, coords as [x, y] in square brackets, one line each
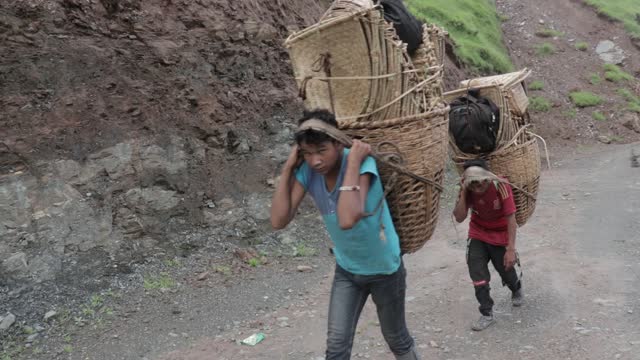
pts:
[372, 246]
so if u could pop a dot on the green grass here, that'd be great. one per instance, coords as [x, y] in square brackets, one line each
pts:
[536, 85]
[545, 49]
[539, 104]
[585, 99]
[582, 46]
[614, 74]
[631, 98]
[547, 33]
[595, 79]
[224, 270]
[571, 113]
[159, 282]
[254, 262]
[304, 250]
[172, 262]
[624, 11]
[474, 26]
[68, 349]
[597, 115]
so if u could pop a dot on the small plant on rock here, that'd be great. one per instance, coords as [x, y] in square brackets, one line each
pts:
[539, 104]
[614, 74]
[582, 46]
[547, 33]
[571, 113]
[536, 85]
[585, 99]
[595, 79]
[545, 49]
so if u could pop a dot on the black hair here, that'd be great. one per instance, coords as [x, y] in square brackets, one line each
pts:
[475, 162]
[315, 137]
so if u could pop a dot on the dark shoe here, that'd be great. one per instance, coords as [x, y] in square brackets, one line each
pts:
[483, 322]
[517, 298]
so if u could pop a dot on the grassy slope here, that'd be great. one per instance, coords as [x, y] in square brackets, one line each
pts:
[474, 26]
[627, 11]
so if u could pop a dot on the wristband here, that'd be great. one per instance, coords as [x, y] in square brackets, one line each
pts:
[349, 188]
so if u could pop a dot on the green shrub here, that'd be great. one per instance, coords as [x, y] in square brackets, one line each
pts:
[582, 46]
[571, 113]
[614, 74]
[585, 99]
[597, 115]
[545, 49]
[536, 85]
[253, 262]
[595, 79]
[634, 107]
[547, 33]
[539, 104]
[159, 282]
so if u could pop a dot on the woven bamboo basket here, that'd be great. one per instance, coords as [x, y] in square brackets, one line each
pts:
[519, 162]
[512, 84]
[368, 75]
[422, 141]
[340, 8]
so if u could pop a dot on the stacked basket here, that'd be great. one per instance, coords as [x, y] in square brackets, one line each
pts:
[517, 156]
[353, 64]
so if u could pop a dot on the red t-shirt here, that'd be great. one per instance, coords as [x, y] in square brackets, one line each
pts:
[489, 213]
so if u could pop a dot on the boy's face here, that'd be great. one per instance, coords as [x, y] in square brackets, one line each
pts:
[322, 157]
[479, 187]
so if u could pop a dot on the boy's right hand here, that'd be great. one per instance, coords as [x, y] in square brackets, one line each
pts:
[295, 159]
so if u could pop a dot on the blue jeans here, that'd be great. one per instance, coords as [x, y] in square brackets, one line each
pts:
[349, 293]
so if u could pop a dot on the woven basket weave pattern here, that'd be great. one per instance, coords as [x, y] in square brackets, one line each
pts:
[414, 205]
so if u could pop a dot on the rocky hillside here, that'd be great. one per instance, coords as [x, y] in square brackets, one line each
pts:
[130, 128]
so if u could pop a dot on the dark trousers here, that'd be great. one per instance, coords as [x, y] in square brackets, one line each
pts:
[478, 256]
[349, 293]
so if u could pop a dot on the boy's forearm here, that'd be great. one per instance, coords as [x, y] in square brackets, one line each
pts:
[512, 225]
[281, 202]
[350, 205]
[460, 211]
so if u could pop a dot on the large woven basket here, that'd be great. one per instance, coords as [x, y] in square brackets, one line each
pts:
[422, 141]
[355, 66]
[518, 161]
[512, 84]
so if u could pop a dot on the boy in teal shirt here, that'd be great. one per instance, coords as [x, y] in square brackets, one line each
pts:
[346, 188]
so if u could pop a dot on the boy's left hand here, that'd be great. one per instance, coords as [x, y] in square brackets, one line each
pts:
[359, 151]
[509, 258]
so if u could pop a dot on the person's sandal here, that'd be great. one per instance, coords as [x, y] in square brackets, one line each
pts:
[483, 322]
[517, 298]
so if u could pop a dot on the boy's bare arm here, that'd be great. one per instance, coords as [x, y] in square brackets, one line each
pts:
[510, 254]
[288, 195]
[461, 209]
[351, 203]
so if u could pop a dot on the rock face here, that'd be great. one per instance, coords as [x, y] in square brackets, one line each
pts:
[115, 198]
[610, 53]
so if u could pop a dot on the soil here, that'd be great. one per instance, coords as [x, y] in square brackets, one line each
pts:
[80, 76]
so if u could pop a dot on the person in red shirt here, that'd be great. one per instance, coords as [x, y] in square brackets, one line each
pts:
[492, 235]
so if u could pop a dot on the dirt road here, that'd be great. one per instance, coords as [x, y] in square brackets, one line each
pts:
[581, 264]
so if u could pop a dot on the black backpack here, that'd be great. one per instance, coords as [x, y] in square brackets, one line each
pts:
[408, 28]
[473, 122]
